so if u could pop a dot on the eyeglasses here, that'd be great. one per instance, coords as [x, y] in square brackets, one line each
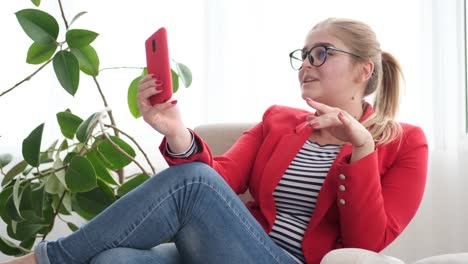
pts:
[317, 56]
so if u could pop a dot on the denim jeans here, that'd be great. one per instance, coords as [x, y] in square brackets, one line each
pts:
[190, 205]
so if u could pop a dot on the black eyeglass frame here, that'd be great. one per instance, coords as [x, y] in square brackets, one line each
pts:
[311, 59]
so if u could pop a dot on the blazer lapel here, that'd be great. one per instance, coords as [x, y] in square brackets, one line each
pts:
[285, 151]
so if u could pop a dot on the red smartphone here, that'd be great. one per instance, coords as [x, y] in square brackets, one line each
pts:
[158, 64]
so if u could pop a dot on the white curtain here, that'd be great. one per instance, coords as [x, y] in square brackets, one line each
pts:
[238, 53]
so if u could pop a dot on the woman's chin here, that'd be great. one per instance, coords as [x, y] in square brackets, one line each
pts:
[306, 95]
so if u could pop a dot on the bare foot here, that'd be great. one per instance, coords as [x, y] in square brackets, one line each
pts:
[26, 259]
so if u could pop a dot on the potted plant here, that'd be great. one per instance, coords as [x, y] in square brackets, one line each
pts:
[83, 172]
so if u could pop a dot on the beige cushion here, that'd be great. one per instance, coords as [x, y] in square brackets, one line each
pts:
[220, 137]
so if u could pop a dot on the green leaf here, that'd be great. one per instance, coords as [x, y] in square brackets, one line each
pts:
[27, 244]
[31, 217]
[78, 38]
[26, 230]
[53, 185]
[36, 2]
[132, 97]
[38, 25]
[10, 209]
[72, 226]
[67, 203]
[38, 199]
[112, 158]
[90, 204]
[175, 81]
[107, 190]
[88, 60]
[60, 174]
[86, 128]
[56, 202]
[27, 170]
[69, 157]
[101, 171]
[17, 196]
[48, 155]
[80, 176]
[17, 169]
[63, 146]
[4, 195]
[76, 17]
[132, 184]
[184, 73]
[67, 70]
[9, 248]
[39, 53]
[5, 159]
[32, 146]
[68, 123]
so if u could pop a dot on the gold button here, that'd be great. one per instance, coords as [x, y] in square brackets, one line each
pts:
[342, 201]
[342, 188]
[342, 177]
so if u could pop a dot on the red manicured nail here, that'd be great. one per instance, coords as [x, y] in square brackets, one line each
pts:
[159, 88]
[174, 102]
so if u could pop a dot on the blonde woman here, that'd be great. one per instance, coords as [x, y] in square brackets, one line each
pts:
[343, 175]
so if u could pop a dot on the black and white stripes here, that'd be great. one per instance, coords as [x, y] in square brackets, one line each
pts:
[296, 195]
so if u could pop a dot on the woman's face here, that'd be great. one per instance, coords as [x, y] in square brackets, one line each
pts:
[335, 82]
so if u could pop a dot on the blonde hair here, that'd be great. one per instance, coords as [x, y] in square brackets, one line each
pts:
[385, 79]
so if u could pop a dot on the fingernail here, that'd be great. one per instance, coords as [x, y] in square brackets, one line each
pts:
[159, 88]
[174, 102]
[341, 114]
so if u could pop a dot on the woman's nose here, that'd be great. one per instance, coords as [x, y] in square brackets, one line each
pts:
[306, 63]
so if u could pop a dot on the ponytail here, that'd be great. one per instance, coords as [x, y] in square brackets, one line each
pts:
[382, 124]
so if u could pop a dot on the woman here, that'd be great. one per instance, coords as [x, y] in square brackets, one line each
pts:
[344, 175]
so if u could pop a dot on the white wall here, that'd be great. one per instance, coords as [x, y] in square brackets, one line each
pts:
[238, 53]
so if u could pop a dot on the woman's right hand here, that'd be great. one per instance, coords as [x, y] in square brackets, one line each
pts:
[165, 117]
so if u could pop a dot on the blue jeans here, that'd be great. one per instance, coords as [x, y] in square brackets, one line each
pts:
[188, 204]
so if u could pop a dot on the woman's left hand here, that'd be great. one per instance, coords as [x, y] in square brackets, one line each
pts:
[339, 123]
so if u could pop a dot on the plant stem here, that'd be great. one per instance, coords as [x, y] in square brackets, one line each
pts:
[123, 152]
[120, 172]
[55, 214]
[63, 14]
[138, 146]
[27, 78]
[111, 116]
[42, 175]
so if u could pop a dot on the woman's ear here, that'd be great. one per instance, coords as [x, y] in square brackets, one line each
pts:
[367, 70]
[364, 72]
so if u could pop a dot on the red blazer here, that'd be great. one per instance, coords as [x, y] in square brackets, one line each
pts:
[382, 190]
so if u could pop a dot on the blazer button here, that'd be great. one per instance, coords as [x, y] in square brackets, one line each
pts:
[342, 188]
[342, 177]
[342, 201]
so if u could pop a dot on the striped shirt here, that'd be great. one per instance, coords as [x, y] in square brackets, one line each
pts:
[296, 195]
